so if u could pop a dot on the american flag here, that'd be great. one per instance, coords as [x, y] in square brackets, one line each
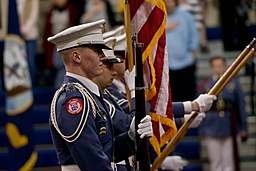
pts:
[148, 20]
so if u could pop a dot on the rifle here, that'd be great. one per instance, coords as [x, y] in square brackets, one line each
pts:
[142, 152]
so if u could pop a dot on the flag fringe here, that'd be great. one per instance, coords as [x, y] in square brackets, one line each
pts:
[167, 136]
[154, 142]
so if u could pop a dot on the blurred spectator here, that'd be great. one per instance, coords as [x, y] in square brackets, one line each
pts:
[182, 45]
[236, 32]
[225, 122]
[198, 9]
[28, 11]
[60, 16]
[79, 5]
[99, 9]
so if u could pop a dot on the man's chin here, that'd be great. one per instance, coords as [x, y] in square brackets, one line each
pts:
[109, 84]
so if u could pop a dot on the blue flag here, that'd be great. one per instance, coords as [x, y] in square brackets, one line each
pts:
[19, 97]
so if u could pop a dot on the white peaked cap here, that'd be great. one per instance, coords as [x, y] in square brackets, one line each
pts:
[120, 44]
[113, 33]
[111, 58]
[88, 33]
[110, 42]
[109, 53]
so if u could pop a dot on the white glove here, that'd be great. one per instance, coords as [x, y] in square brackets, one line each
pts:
[144, 128]
[175, 163]
[130, 78]
[205, 101]
[196, 122]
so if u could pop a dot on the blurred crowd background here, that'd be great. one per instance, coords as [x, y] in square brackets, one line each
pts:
[225, 28]
[230, 22]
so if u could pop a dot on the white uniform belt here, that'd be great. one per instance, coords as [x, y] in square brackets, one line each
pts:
[70, 168]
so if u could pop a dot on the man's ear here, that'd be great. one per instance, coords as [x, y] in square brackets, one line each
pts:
[76, 56]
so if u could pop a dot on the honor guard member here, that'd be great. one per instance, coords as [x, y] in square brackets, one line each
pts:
[117, 72]
[80, 125]
[118, 88]
[216, 129]
[122, 122]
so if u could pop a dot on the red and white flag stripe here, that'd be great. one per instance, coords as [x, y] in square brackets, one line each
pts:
[148, 20]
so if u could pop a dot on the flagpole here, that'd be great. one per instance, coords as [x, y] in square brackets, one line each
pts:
[127, 22]
[241, 60]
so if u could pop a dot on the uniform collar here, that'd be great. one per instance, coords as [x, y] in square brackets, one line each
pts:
[88, 83]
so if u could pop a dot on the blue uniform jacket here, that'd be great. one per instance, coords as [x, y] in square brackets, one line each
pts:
[94, 147]
[178, 111]
[120, 98]
[121, 120]
[218, 120]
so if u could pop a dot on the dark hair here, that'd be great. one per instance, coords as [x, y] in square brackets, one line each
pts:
[121, 53]
[216, 58]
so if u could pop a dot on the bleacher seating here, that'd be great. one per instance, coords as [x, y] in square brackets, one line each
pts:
[40, 113]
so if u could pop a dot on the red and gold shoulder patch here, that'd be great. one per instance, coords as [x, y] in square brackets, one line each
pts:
[74, 106]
